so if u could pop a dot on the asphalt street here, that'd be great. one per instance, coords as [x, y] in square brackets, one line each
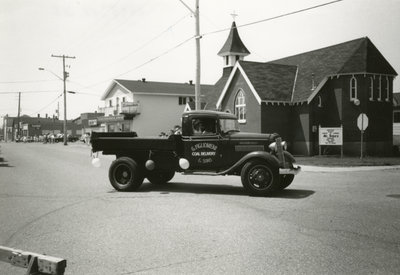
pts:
[53, 201]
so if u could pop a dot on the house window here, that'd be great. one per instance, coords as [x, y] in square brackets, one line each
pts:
[227, 60]
[125, 127]
[240, 106]
[110, 103]
[380, 89]
[387, 88]
[183, 100]
[396, 117]
[319, 101]
[371, 88]
[110, 128]
[123, 99]
[353, 88]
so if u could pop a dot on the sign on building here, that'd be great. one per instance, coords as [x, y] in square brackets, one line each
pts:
[330, 136]
[92, 122]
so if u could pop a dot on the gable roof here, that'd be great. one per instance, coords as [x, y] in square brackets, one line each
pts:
[212, 96]
[267, 81]
[191, 105]
[233, 44]
[155, 88]
[272, 82]
[355, 56]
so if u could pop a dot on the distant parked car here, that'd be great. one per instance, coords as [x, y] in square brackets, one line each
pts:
[71, 138]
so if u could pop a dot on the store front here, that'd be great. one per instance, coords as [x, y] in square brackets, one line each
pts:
[119, 123]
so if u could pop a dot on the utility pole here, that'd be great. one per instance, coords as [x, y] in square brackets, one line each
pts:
[65, 75]
[19, 110]
[197, 87]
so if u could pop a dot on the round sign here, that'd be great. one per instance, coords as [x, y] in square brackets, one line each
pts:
[362, 122]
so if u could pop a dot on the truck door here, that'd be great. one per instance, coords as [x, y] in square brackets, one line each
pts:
[202, 145]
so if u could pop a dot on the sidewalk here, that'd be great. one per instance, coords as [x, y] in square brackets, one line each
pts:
[309, 168]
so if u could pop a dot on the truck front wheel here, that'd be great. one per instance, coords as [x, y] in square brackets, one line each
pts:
[160, 177]
[285, 181]
[125, 175]
[260, 178]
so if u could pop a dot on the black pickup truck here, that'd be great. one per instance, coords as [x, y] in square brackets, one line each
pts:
[209, 143]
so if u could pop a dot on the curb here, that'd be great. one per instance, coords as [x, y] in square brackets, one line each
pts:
[306, 168]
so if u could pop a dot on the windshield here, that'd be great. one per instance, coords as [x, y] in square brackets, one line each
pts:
[229, 125]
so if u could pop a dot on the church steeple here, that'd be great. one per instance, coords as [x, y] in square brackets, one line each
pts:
[233, 49]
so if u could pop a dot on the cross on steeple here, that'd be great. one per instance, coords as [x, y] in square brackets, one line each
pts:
[234, 15]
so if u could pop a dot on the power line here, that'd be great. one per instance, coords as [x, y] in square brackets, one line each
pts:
[110, 64]
[222, 30]
[89, 33]
[143, 64]
[110, 30]
[204, 34]
[60, 95]
[29, 92]
[26, 81]
[275, 17]
[138, 48]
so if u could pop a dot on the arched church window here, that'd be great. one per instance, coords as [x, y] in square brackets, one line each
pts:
[240, 106]
[380, 89]
[353, 88]
[387, 88]
[371, 88]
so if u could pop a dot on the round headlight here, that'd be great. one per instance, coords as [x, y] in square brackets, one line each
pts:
[272, 146]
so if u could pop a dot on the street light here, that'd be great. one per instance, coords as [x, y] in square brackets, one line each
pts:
[43, 69]
[65, 98]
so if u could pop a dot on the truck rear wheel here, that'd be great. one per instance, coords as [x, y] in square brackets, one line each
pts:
[260, 178]
[125, 175]
[160, 177]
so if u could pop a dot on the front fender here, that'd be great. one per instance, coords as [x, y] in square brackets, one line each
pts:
[288, 157]
[270, 159]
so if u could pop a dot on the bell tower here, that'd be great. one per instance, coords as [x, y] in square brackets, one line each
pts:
[233, 49]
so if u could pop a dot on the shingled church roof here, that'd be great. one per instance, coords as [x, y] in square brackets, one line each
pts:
[271, 81]
[355, 56]
[291, 78]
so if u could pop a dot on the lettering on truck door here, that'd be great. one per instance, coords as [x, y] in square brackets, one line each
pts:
[202, 148]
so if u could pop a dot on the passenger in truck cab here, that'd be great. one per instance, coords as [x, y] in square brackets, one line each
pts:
[203, 127]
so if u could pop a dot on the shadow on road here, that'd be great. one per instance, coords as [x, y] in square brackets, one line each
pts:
[197, 188]
[3, 163]
[395, 196]
[294, 194]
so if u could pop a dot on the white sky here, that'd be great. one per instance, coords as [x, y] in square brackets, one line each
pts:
[114, 38]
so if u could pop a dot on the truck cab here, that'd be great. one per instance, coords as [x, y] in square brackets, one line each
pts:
[212, 141]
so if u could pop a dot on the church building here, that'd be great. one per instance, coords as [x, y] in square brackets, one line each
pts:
[295, 95]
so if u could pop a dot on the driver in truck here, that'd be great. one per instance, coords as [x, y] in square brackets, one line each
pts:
[200, 127]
